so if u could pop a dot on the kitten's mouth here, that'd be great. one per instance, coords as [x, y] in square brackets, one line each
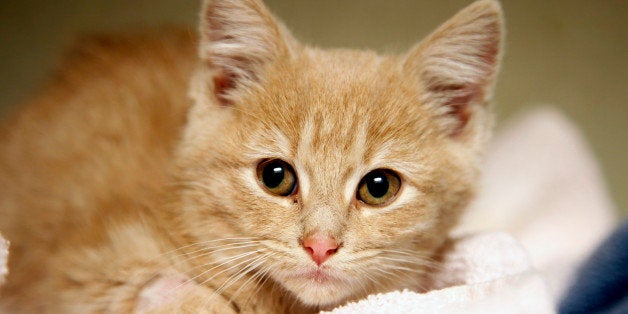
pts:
[318, 275]
[319, 286]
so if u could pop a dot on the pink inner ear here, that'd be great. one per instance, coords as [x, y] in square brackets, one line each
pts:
[223, 82]
[458, 103]
[462, 114]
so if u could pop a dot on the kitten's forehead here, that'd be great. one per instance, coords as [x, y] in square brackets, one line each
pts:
[338, 97]
[338, 114]
[354, 104]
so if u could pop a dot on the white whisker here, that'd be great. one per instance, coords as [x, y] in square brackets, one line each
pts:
[167, 257]
[254, 277]
[228, 260]
[250, 265]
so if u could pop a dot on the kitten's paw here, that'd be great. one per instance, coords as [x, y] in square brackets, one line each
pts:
[175, 293]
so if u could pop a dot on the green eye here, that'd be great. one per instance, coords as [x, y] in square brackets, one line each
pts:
[277, 176]
[378, 187]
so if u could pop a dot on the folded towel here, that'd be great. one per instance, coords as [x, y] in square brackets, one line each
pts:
[542, 184]
[486, 273]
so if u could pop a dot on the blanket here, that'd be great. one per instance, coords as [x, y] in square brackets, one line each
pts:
[484, 273]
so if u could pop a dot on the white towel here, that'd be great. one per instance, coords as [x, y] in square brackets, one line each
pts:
[486, 273]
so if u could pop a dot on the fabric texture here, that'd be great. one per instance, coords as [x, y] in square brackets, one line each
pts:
[485, 273]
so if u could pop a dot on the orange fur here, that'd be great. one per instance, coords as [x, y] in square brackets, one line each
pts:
[103, 174]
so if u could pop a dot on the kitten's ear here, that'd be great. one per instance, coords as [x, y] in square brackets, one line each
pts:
[239, 40]
[455, 66]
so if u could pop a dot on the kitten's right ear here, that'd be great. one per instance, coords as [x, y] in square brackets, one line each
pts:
[239, 40]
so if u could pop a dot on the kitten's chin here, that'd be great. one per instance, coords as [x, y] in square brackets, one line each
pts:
[319, 287]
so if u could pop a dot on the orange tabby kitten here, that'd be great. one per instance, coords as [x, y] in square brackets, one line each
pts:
[298, 179]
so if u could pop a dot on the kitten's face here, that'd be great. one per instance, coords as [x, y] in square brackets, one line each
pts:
[376, 167]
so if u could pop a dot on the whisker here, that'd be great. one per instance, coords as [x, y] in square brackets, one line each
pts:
[168, 255]
[250, 264]
[229, 268]
[261, 281]
[365, 273]
[220, 248]
[254, 277]
[194, 244]
[228, 260]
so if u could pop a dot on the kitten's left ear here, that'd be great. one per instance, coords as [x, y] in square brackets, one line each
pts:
[239, 40]
[456, 65]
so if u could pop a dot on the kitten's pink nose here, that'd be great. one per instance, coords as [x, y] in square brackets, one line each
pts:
[320, 247]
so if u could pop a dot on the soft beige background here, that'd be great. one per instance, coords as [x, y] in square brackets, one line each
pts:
[568, 53]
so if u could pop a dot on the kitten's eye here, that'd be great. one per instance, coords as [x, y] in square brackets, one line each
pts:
[378, 187]
[277, 176]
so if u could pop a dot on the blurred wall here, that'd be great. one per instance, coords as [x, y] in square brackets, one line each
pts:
[571, 54]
